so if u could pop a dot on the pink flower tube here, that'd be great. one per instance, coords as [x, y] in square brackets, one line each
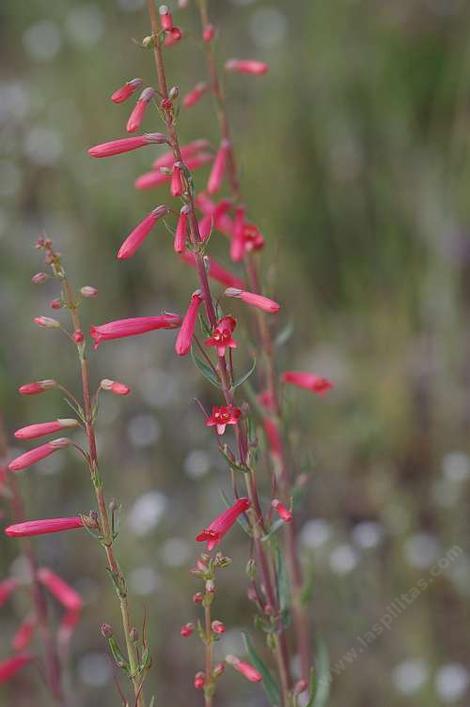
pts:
[185, 334]
[24, 634]
[176, 183]
[247, 66]
[115, 387]
[24, 461]
[189, 150]
[45, 428]
[195, 95]
[138, 112]
[127, 144]
[246, 669]
[237, 244]
[36, 387]
[122, 328]
[10, 666]
[283, 512]
[179, 243]
[308, 381]
[138, 235]
[222, 524]
[218, 168]
[254, 300]
[62, 591]
[126, 91]
[43, 526]
[215, 270]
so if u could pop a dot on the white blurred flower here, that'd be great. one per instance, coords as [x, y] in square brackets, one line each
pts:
[85, 25]
[268, 27]
[42, 40]
[42, 146]
[143, 580]
[367, 534]
[410, 676]
[456, 466]
[315, 533]
[197, 464]
[451, 682]
[421, 550]
[146, 512]
[14, 100]
[343, 559]
[175, 552]
[143, 430]
[94, 669]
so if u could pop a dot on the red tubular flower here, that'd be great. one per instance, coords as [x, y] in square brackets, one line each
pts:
[247, 670]
[221, 337]
[199, 681]
[189, 150]
[309, 381]
[223, 416]
[126, 91]
[43, 526]
[186, 630]
[195, 95]
[138, 112]
[172, 36]
[115, 387]
[215, 270]
[214, 533]
[45, 428]
[179, 243]
[127, 144]
[237, 244]
[283, 512]
[47, 322]
[9, 667]
[121, 328]
[24, 461]
[273, 437]
[166, 20]
[7, 587]
[254, 300]
[218, 212]
[185, 334]
[246, 66]
[36, 387]
[198, 160]
[62, 591]
[218, 168]
[138, 235]
[24, 634]
[252, 236]
[208, 33]
[218, 627]
[148, 180]
[205, 227]
[176, 185]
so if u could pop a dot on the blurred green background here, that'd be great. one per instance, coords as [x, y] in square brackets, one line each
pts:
[355, 160]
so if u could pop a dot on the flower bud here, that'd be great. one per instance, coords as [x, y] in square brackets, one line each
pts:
[39, 278]
[114, 387]
[106, 630]
[198, 598]
[186, 630]
[88, 291]
[36, 387]
[47, 322]
[56, 304]
[199, 681]
[78, 336]
[208, 33]
[218, 627]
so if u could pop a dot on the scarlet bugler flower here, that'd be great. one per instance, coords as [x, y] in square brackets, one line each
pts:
[223, 416]
[186, 630]
[122, 328]
[218, 168]
[155, 178]
[47, 322]
[254, 300]
[246, 66]
[44, 526]
[237, 244]
[189, 150]
[214, 532]
[126, 144]
[36, 387]
[10, 666]
[283, 512]
[176, 184]
[137, 115]
[195, 95]
[24, 461]
[309, 381]
[246, 669]
[185, 334]
[115, 387]
[215, 270]
[179, 243]
[137, 236]
[221, 337]
[45, 428]
[125, 91]
[62, 591]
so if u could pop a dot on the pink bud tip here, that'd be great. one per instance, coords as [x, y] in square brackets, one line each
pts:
[246, 669]
[10, 666]
[78, 336]
[62, 591]
[43, 527]
[88, 291]
[186, 630]
[218, 168]
[24, 461]
[138, 235]
[181, 229]
[208, 33]
[218, 627]
[127, 144]
[283, 512]
[246, 66]
[165, 17]
[115, 387]
[122, 328]
[39, 278]
[199, 681]
[124, 92]
[308, 381]
[195, 95]
[36, 387]
[176, 185]
[138, 112]
[56, 304]
[254, 300]
[198, 598]
[45, 428]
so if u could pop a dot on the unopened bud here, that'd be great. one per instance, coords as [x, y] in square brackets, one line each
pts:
[78, 336]
[60, 443]
[218, 627]
[134, 635]
[198, 598]
[106, 630]
[37, 387]
[147, 41]
[88, 291]
[56, 304]
[300, 686]
[186, 630]
[199, 681]
[39, 278]
[208, 33]
[114, 387]
[47, 322]
[173, 93]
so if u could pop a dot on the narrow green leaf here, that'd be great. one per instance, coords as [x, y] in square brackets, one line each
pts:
[273, 529]
[284, 335]
[321, 678]
[269, 684]
[206, 371]
[283, 585]
[245, 376]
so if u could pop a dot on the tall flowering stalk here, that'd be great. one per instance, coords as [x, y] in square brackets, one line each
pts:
[135, 659]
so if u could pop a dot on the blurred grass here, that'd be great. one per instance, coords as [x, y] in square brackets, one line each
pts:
[354, 153]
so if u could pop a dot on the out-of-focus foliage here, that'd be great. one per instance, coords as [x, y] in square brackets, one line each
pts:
[354, 153]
